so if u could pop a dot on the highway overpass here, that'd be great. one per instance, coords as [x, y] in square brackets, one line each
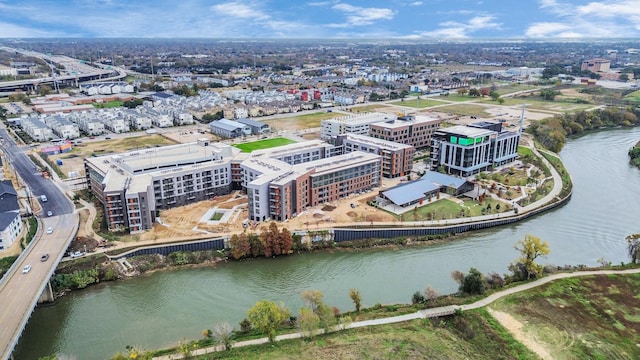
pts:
[74, 71]
[19, 293]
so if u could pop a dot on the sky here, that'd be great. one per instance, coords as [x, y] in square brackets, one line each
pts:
[401, 19]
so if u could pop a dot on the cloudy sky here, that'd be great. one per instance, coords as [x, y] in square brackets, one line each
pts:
[406, 19]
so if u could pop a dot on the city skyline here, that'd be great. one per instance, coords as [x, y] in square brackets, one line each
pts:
[280, 19]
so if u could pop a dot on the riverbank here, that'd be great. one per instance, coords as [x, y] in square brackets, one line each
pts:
[634, 155]
[485, 333]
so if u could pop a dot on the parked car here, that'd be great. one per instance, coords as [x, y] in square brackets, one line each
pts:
[44, 257]
[76, 254]
[49, 230]
[26, 269]
[49, 213]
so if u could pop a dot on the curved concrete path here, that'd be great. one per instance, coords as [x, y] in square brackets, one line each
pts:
[421, 314]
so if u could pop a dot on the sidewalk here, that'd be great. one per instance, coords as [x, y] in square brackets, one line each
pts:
[421, 314]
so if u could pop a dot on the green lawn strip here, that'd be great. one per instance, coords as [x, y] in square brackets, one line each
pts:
[564, 174]
[473, 335]
[107, 105]
[454, 97]
[367, 108]
[591, 317]
[263, 144]
[448, 209]
[217, 216]
[466, 110]
[537, 103]
[420, 104]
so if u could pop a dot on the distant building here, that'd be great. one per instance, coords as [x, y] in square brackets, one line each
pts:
[596, 65]
[468, 150]
[229, 128]
[257, 127]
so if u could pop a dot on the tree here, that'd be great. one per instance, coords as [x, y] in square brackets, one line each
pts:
[531, 247]
[356, 298]
[240, 246]
[266, 316]
[308, 322]
[474, 92]
[462, 91]
[417, 298]
[473, 282]
[313, 299]
[634, 247]
[430, 294]
[548, 94]
[223, 334]
[327, 317]
[494, 95]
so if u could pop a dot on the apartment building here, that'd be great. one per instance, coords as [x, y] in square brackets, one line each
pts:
[410, 130]
[10, 220]
[467, 150]
[397, 159]
[35, 128]
[277, 190]
[352, 124]
[133, 186]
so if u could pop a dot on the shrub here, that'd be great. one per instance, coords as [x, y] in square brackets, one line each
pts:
[417, 298]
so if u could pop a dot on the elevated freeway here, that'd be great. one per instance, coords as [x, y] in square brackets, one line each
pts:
[19, 293]
[72, 71]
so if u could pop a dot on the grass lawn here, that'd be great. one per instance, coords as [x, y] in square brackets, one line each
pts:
[217, 216]
[538, 104]
[524, 151]
[367, 108]
[475, 335]
[466, 110]
[263, 144]
[633, 97]
[110, 104]
[420, 104]
[448, 209]
[455, 97]
[300, 122]
[594, 317]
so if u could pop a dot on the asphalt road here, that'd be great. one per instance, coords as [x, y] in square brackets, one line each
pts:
[57, 201]
[20, 292]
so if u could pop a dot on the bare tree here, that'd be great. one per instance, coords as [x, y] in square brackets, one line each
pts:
[223, 333]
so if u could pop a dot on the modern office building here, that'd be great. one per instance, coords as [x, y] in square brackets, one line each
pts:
[397, 159]
[467, 150]
[410, 130]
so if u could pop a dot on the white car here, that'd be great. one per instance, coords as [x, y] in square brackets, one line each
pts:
[76, 254]
[49, 230]
[26, 269]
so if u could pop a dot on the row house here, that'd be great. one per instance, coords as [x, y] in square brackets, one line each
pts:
[36, 128]
[62, 127]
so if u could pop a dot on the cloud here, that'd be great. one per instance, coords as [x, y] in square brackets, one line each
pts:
[360, 16]
[416, 3]
[458, 30]
[16, 31]
[239, 10]
[597, 19]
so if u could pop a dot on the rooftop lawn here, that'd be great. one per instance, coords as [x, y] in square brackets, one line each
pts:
[263, 144]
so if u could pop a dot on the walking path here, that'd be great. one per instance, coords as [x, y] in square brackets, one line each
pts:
[421, 314]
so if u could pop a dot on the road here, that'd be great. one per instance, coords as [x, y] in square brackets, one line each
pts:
[20, 292]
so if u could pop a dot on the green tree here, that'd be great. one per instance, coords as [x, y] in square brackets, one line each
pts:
[530, 248]
[473, 282]
[327, 317]
[266, 316]
[633, 247]
[355, 296]
[308, 322]
[494, 95]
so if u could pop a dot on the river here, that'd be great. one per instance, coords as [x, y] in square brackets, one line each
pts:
[161, 309]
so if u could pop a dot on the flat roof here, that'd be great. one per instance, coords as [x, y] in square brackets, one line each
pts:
[467, 131]
[377, 142]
